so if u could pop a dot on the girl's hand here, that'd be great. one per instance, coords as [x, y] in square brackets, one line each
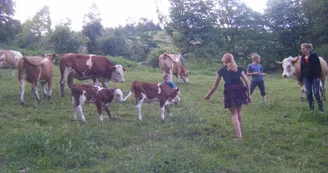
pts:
[249, 100]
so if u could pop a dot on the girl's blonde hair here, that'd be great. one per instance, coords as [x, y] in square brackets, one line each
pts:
[307, 45]
[255, 55]
[229, 61]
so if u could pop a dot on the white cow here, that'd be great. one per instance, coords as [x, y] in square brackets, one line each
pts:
[291, 66]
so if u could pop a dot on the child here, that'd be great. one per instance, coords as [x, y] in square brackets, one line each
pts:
[166, 80]
[256, 71]
[235, 93]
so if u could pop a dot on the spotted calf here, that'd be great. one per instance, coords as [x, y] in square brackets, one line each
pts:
[154, 91]
[101, 97]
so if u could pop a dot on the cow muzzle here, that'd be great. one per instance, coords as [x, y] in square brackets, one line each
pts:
[284, 76]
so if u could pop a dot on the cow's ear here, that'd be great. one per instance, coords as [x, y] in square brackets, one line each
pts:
[294, 60]
[123, 68]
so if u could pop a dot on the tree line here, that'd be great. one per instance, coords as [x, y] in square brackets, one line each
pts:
[201, 29]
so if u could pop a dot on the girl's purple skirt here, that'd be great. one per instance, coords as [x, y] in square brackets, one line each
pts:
[235, 95]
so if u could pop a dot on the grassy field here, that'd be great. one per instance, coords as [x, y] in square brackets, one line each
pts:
[281, 136]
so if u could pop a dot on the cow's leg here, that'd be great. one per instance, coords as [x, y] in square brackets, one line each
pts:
[79, 109]
[95, 82]
[22, 90]
[100, 106]
[63, 77]
[50, 89]
[171, 73]
[70, 80]
[162, 106]
[35, 90]
[105, 83]
[43, 84]
[138, 106]
[13, 73]
[167, 108]
[108, 112]
[75, 109]
[323, 89]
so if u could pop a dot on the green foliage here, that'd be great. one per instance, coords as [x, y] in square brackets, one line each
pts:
[9, 27]
[66, 41]
[93, 29]
[129, 65]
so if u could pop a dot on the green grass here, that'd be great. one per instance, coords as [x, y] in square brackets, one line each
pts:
[281, 136]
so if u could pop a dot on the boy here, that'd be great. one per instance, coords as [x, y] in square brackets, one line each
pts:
[166, 80]
[256, 71]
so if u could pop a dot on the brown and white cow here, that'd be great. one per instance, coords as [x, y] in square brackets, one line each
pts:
[83, 67]
[154, 91]
[101, 97]
[9, 59]
[171, 64]
[291, 66]
[35, 69]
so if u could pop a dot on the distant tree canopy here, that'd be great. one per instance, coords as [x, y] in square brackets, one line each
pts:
[203, 29]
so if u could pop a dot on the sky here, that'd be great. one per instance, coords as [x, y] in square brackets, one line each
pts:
[113, 12]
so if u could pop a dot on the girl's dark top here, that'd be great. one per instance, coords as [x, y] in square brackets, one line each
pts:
[312, 69]
[230, 77]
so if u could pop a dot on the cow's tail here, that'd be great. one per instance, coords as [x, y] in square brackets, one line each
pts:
[131, 91]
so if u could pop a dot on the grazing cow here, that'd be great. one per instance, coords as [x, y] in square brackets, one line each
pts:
[291, 66]
[9, 59]
[171, 64]
[86, 93]
[35, 69]
[154, 91]
[83, 67]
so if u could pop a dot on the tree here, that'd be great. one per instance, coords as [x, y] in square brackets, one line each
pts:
[64, 40]
[93, 29]
[190, 19]
[286, 19]
[8, 26]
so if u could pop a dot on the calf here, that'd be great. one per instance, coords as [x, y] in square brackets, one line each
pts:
[86, 93]
[35, 69]
[154, 91]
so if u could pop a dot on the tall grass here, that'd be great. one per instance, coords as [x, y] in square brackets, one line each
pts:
[281, 136]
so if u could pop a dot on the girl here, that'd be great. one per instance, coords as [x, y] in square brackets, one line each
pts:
[235, 93]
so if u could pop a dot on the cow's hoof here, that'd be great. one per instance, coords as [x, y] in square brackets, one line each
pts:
[302, 99]
[83, 122]
[22, 103]
[39, 100]
[49, 98]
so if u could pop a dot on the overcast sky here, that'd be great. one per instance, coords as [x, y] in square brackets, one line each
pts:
[113, 12]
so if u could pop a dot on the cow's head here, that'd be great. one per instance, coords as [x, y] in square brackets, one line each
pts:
[118, 95]
[117, 73]
[184, 74]
[176, 99]
[289, 66]
[50, 57]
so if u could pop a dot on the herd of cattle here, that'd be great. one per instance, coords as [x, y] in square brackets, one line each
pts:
[39, 69]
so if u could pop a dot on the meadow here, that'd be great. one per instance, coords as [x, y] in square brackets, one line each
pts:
[281, 136]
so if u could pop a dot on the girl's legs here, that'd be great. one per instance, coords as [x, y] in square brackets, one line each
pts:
[236, 122]
[240, 116]
[308, 86]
